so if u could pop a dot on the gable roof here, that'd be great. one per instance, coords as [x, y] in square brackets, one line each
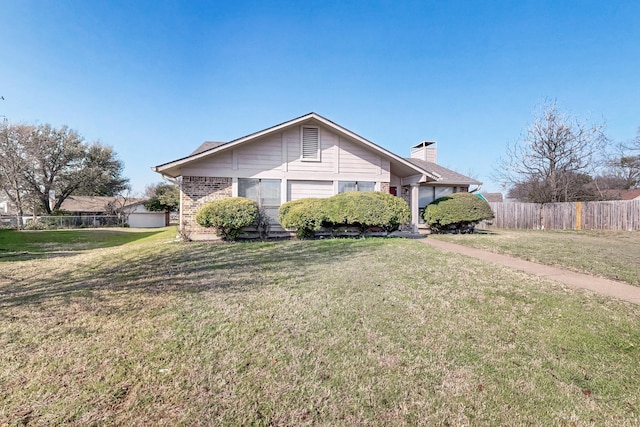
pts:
[399, 165]
[402, 167]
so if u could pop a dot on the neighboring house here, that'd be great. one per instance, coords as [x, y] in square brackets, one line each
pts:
[136, 215]
[309, 156]
[633, 194]
[493, 197]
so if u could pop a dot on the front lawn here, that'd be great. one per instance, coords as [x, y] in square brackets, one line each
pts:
[611, 254]
[330, 332]
[30, 244]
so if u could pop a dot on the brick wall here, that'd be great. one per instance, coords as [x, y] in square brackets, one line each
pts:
[196, 191]
[384, 187]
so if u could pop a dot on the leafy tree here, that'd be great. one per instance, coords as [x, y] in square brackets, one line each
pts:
[102, 173]
[58, 162]
[549, 158]
[163, 198]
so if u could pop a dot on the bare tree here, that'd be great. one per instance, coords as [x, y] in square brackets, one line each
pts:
[549, 157]
[13, 164]
[623, 166]
[120, 206]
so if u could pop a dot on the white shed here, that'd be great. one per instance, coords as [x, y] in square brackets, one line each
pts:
[140, 217]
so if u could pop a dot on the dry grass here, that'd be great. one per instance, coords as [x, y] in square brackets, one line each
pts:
[611, 254]
[334, 332]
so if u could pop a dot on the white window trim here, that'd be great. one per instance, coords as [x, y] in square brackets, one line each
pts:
[302, 158]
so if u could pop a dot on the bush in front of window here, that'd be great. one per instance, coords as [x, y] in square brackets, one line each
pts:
[228, 216]
[306, 216]
[368, 209]
[392, 211]
[456, 213]
[364, 210]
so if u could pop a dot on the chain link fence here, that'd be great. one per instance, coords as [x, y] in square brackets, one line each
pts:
[64, 221]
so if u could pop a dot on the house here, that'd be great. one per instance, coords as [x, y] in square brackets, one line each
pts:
[133, 211]
[633, 194]
[309, 156]
[493, 197]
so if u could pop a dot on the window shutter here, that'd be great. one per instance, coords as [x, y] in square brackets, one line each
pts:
[310, 143]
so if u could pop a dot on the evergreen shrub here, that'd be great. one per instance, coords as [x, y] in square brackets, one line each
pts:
[360, 209]
[457, 213]
[306, 216]
[228, 216]
[368, 209]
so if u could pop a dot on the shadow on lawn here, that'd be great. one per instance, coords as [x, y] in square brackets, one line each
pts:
[27, 245]
[193, 267]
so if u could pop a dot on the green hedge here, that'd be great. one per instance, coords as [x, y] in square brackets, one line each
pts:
[228, 216]
[361, 209]
[306, 216]
[368, 209]
[458, 212]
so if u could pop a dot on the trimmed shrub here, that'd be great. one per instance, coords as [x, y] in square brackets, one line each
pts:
[368, 209]
[360, 209]
[393, 211]
[306, 216]
[458, 213]
[228, 216]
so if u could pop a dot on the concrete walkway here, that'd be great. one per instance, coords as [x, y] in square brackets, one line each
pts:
[574, 280]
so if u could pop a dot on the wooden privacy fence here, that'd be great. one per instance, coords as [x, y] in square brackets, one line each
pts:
[610, 215]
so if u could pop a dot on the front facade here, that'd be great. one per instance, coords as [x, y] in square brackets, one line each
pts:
[309, 156]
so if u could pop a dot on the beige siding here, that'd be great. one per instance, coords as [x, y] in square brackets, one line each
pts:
[302, 189]
[340, 160]
[264, 154]
[222, 161]
[355, 159]
[328, 146]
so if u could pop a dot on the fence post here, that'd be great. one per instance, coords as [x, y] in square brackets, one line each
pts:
[578, 215]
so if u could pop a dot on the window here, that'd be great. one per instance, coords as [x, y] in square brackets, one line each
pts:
[265, 192]
[345, 186]
[310, 146]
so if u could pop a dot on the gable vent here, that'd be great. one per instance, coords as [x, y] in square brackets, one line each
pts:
[310, 143]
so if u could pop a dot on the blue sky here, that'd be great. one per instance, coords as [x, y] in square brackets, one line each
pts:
[154, 79]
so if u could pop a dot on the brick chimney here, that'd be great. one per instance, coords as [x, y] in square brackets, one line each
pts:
[426, 150]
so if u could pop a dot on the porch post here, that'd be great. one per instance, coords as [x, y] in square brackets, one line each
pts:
[415, 209]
